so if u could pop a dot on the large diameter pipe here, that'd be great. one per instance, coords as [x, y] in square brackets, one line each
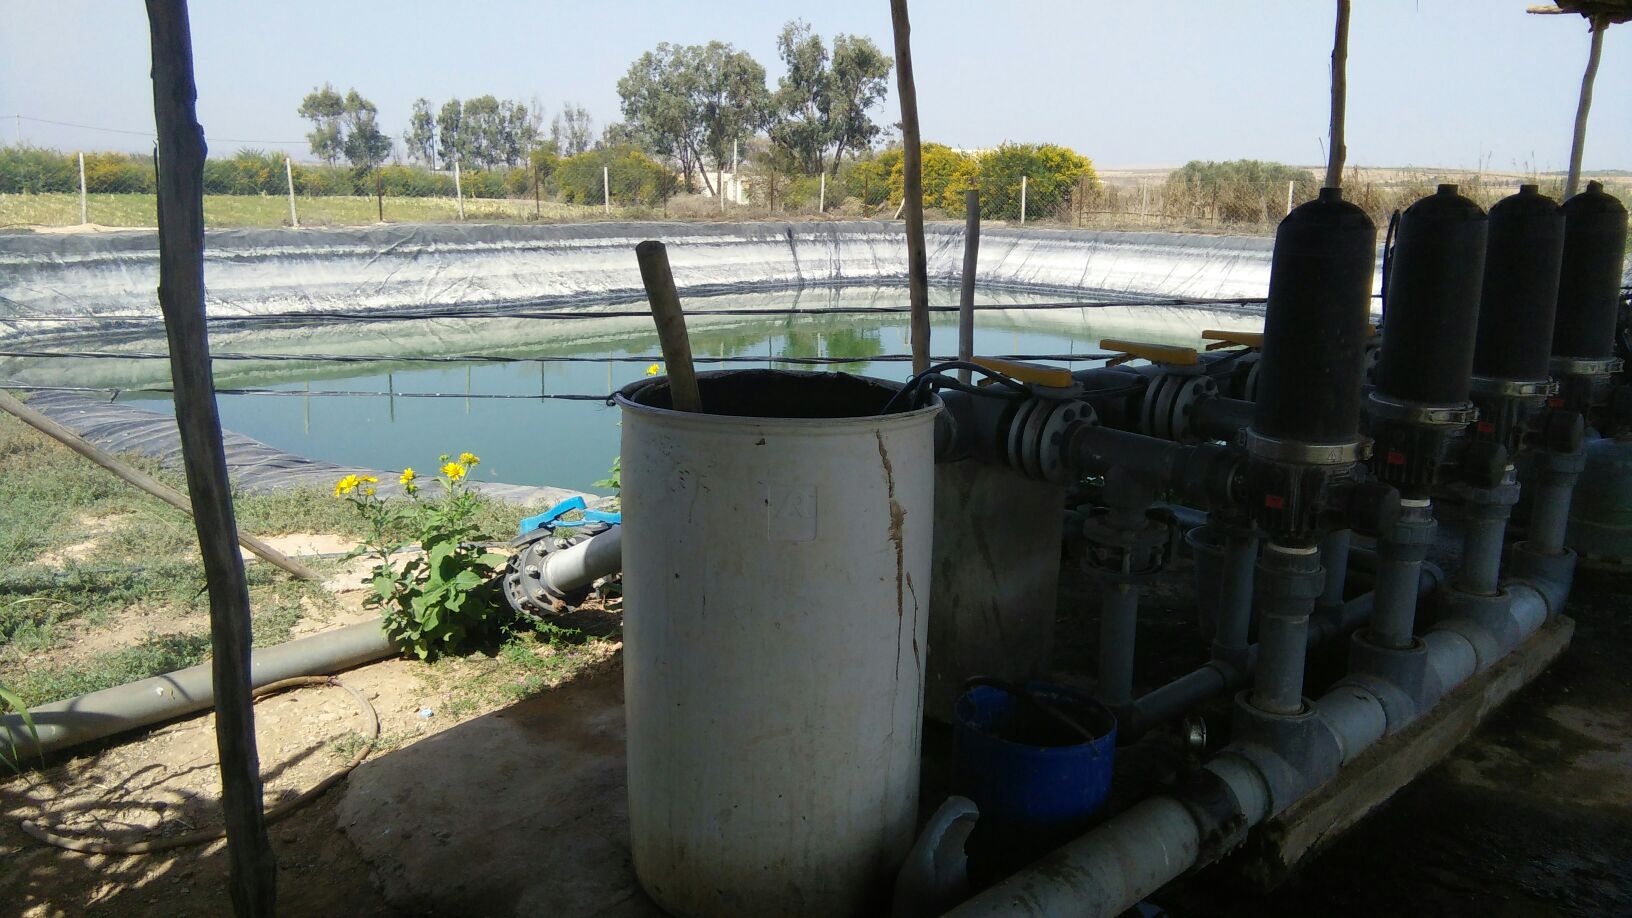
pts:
[580, 565]
[1113, 867]
[98, 715]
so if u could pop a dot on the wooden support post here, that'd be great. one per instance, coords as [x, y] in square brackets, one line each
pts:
[821, 196]
[84, 213]
[458, 190]
[913, 193]
[140, 479]
[1024, 181]
[966, 290]
[606, 188]
[1583, 105]
[253, 869]
[1336, 151]
[289, 175]
[671, 325]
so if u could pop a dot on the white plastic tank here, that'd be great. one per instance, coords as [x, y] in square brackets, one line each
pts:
[776, 584]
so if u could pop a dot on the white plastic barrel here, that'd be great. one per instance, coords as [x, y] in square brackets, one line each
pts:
[776, 587]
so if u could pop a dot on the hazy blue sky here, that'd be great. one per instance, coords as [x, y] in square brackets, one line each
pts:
[1455, 83]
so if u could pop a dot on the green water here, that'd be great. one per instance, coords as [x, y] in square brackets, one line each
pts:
[565, 443]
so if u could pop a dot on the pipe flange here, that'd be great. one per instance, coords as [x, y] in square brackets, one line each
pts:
[1424, 414]
[525, 588]
[1297, 452]
[1171, 401]
[1514, 388]
[1051, 441]
[1583, 366]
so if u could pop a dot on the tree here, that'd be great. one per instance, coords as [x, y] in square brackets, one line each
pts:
[1051, 176]
[572, 131]
[801, 95]
[324, 108]
[823, 104]
[657, 105]
[729, 97]
[419, 141]
[858, 81]
[1238, 191]
[364, 145]
[450, 129]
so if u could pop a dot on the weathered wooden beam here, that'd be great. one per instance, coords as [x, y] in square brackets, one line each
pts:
[253, 879]
[131, 475]
[913, 188]
[1338, 150]
[1583, 105]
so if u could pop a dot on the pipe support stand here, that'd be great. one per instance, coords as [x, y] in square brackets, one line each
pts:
[1290, 580]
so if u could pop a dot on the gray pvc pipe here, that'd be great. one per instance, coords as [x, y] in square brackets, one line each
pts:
[1235, 603]
[586, 562]
[111, 711]
[1118, 627]
[1550, 512]
[1334, 556]
[1110, 869]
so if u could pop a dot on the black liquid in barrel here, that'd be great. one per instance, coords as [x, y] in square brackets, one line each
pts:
[1589, 283]
[1431, 300]
[1316, 323]
[1524, 251]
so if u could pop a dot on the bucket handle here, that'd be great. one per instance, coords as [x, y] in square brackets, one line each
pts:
[1026, 695]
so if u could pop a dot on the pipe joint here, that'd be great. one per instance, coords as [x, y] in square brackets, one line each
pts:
[1294, 753]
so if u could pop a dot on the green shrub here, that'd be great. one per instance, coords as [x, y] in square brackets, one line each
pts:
[635, 178]
[35, 170]
[1237, 191]
[118, 173]
[1051, 173]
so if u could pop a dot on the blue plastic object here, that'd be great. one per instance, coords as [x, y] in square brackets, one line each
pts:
[1036, 782]
[551, 518]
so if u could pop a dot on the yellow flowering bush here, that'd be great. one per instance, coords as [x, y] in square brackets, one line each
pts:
[445, 594]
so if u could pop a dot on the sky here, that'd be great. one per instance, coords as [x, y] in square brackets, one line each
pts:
[1459, 84]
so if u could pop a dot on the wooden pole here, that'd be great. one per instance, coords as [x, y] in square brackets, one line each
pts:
[1024, 181]
[821, 196]
[606, 187]
[1578, 142]
[253, 868]
[84, 213]
[1340, 84]
[913, 198]
[458, 190]
[671, 324]
[140, 479]
[966, 290]
[289, 175]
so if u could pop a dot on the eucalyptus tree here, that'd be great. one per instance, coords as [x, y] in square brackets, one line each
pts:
[822, 105]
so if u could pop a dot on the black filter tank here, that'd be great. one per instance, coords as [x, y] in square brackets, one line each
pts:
[1520, 295]
[1589, 284]
[1316, 323]
[1431, 300]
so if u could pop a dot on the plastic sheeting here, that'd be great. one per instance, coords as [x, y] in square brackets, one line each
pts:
[251, 464]
[407, 268]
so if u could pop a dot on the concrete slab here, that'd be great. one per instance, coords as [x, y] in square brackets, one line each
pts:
[1276, 848]
[519, 812]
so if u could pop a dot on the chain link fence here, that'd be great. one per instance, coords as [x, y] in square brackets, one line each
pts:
[52, 189]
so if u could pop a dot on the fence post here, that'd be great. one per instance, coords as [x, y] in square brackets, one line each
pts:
[535, 190]
[1290, 184]
[821, 196]
[289, 176]
[83, 216]
[1022, 200]
[606, 188]
[736, 176]
[458, 190]
[966, 283]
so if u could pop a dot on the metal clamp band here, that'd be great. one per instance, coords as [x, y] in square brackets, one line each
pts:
[1458, 414]
[1301, 453]
[1582, 366]
[1514, 388]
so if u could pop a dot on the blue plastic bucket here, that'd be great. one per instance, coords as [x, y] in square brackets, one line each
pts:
[1036, 781]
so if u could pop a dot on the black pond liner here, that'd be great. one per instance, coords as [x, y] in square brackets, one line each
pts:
[776, 394]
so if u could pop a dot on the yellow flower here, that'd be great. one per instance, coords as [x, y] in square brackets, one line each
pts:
[368, 492]
[407, 477]
[346, 485]
[454, 471]
[654, 369]
[368, 478]
[470, 459]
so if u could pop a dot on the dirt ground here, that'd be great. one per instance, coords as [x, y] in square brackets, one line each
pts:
[518, 809]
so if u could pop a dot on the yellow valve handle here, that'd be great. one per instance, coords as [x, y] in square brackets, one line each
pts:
[1035, 373]
[1170, 354]
[1225, 338]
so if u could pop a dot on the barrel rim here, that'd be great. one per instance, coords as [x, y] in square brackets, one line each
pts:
[848, 425]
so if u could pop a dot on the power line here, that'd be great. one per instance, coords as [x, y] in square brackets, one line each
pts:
[149, 134]
[494, 358]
